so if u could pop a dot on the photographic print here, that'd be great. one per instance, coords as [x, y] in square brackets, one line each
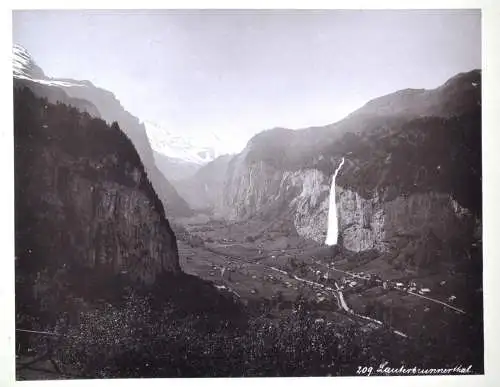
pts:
[242, 192]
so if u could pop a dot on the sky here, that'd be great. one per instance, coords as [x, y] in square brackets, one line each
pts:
[235, 72]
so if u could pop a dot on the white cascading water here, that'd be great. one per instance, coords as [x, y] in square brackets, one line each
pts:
[333, 225]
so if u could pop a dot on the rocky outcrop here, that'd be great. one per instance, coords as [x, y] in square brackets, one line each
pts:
[111, 110]
[83, 199]
[377, 224]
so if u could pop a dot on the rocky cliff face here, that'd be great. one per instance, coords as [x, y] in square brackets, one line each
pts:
[411, 172]
[365, 224]
[83, 199]
[377, 224]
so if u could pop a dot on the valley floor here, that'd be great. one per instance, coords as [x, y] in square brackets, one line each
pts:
[274, 269]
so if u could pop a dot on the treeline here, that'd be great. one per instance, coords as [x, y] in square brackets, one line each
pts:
[422, 155]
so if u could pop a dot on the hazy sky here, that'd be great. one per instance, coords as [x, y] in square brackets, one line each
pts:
[239, 72]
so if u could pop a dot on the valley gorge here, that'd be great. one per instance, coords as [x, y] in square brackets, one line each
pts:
[151, 267]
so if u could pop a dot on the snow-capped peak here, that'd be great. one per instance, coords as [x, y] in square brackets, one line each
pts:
[190, 148]
[199, 149]
[23, 64]
[25, 67]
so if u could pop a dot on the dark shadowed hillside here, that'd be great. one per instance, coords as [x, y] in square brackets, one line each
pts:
[111, 110]
[83, 199]
[90, 228]
[56, 94]
[448, 117]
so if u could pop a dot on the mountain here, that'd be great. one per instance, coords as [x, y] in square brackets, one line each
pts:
[412, 175]
[28, 74]
[83, 197]
[87, 219]
[457, 95]
[175, 169]
[189, 148]
[179, 157]
[23, 65]
[203, 189]
[99, 103]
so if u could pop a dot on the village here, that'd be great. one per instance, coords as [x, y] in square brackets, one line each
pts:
[281, 274]
[360, 281]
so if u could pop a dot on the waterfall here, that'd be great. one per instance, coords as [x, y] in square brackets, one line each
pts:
[333, 225]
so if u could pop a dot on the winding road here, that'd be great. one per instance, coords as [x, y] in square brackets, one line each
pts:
[337, 293]
[401, 290]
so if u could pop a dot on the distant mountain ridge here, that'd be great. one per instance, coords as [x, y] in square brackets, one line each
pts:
[180, 156]
[183, 146]
[457, 95]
